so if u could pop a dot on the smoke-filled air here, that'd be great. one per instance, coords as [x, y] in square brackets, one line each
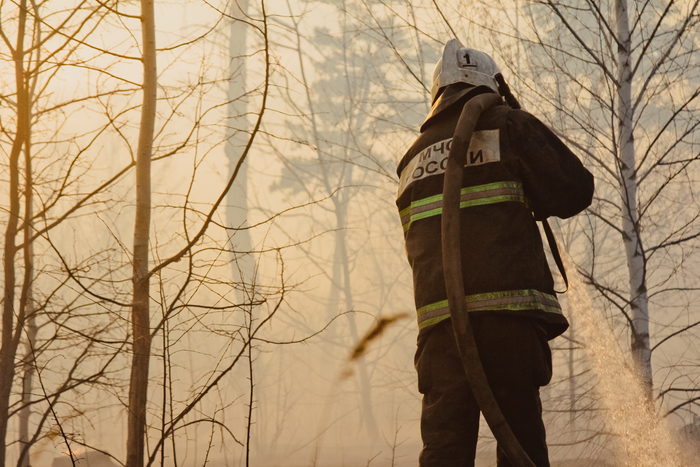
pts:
[224, 241]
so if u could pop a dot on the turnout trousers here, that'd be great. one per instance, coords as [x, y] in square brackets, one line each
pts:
[517, 361]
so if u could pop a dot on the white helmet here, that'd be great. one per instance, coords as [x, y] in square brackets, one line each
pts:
[462, 65]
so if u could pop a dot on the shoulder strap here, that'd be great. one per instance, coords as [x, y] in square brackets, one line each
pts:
[555, 252]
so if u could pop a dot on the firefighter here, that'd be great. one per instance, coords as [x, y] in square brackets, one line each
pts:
[517, 172]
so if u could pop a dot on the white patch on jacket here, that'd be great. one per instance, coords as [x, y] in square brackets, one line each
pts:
[484, 148]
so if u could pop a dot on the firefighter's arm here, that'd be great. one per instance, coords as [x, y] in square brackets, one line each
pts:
[554, 179]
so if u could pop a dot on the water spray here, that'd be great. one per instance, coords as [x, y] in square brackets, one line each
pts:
[645, 440]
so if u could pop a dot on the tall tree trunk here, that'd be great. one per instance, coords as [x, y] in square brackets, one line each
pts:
[27, 303]
[243, 265]
[639, 299]
[10, 339]
[341, 211]
[27, 384]
[138, 385]
[342, 260]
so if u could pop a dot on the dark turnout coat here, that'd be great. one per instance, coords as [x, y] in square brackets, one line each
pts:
[517, 172]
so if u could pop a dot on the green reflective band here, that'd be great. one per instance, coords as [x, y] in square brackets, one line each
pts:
[492, 186]
[515, 300]
[480, 195]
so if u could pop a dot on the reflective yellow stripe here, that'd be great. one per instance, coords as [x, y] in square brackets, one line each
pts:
[516, 300]
[480, 195]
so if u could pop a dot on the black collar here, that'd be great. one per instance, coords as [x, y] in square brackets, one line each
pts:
[453, 94]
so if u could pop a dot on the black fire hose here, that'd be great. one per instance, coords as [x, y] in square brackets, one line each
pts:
[452, 264]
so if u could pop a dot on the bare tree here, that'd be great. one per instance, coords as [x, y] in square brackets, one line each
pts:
[79, 298]
[142, 275]
[140, 319]
[47, 39]
[12, 332]
[630, 108]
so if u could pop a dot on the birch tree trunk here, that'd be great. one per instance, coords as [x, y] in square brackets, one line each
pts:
[243, 265]
[639, 300]
[138, 386]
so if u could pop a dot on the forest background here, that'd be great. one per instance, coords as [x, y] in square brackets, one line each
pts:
[199, 220]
